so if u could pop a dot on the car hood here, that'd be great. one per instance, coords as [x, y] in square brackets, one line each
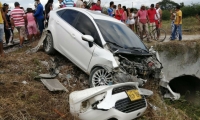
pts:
[134, 52]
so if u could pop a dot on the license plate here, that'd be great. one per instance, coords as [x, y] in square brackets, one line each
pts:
[133, 95]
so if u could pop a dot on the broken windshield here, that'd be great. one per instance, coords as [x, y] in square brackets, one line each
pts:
[119, 34]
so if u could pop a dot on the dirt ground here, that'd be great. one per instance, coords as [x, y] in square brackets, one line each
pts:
[33, 101]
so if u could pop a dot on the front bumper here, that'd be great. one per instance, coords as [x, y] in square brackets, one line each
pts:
[110, 102]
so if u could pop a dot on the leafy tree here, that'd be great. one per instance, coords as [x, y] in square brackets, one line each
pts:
[167, 4]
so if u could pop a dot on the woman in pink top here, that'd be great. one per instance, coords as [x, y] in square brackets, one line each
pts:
[32, 27]
[124, 15]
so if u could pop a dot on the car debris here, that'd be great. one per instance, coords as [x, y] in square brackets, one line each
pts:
[35, 49]
[123, 101]
[53, 85]
[47, 76]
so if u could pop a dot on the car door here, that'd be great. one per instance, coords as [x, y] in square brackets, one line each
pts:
[64, 32]
[81, 52]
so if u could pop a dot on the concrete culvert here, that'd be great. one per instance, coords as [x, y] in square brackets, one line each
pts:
[188, 86]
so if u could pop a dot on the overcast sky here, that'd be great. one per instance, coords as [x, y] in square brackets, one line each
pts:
[128, 3]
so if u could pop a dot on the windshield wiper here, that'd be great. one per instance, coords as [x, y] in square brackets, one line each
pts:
[137, 48]
[114, 44]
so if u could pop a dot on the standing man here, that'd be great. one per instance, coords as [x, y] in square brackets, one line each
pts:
[151, 15]
[158, 19]
[143, 22]
[2, 20]
[111, 10]
[178, 23]
[39, 16]
[97, 6]
[18, 19]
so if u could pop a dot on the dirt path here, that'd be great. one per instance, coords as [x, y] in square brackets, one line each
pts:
[185, 37]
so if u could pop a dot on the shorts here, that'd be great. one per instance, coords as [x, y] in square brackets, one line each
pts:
[143, 27]
[158, 24]
[22, 31]
[132, 21]
[1, 32]
[32, 29]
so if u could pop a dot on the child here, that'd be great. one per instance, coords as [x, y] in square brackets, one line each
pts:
[31, 26]
[8, 31]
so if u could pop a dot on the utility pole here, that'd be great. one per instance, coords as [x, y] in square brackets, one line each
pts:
[132, 4]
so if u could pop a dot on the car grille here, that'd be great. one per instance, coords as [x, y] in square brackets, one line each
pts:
[122, 89]
[127, 106]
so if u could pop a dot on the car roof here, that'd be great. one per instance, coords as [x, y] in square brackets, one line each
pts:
[93, 14]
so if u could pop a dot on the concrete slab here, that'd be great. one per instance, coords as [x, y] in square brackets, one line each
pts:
[53, 85]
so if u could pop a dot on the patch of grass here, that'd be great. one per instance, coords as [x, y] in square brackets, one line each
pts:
[190, 109]
[189, 23]
[176, 48]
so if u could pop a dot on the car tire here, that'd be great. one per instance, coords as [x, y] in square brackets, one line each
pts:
[48, 44]
[104, 77]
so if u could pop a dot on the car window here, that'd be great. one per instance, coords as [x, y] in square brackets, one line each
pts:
[69, 16]
[60, 12]
[119, 33]
[86, 27]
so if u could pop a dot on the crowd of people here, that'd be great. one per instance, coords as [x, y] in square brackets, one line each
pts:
[142, 18]
[31, 23]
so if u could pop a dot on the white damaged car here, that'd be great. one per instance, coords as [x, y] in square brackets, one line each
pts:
[103, 47]
[123, 101]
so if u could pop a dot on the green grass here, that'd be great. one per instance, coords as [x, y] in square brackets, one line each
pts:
[190, 23]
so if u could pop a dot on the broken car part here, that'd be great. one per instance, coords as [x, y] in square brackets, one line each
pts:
[53, 85]
[124, 101]
[35, 49]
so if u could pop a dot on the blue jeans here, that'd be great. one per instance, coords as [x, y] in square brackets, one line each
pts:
[179, 32]
[40, 23]
[1, 32]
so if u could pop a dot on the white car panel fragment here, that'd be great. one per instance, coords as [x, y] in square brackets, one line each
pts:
[105, 102]
[53, 85]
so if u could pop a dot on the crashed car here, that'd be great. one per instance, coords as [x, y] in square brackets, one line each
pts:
[102, 47]
[123, 101]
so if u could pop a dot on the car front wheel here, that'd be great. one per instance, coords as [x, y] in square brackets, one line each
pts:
[100, 77]
[48, 44]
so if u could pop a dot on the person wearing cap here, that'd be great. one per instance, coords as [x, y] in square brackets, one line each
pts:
[151, 15]
[143, 22]
[18, 19]
[2, 20]
[39, 16]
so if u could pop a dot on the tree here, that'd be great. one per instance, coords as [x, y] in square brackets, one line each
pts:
[167, 4]
[182, 4]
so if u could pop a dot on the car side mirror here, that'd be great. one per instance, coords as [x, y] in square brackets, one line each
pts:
[89, 39]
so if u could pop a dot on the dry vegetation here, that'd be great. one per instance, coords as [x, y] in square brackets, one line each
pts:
[20, 101]
[33, 101]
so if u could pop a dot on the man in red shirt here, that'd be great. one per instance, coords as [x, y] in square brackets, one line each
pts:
[97, 6]
[119, 12]
[151, 15]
